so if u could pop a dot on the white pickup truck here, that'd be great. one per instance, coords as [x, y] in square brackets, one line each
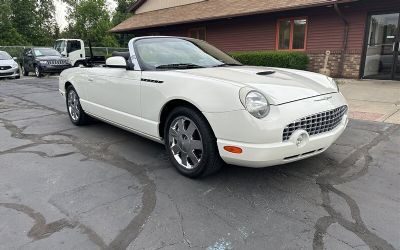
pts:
[74, 50]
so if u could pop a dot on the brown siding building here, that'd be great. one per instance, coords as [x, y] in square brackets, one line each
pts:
[361, 36]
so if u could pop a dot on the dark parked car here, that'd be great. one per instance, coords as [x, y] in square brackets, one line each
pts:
[43, 60]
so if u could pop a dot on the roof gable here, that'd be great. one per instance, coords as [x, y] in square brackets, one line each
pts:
[153, 5]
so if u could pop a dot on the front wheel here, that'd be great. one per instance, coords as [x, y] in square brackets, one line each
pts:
[191, 144]
[38, 72]
[76, 113]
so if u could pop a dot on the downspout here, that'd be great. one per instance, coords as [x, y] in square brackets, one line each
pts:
[345, 38]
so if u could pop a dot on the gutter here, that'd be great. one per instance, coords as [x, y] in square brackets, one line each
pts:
[345, 37]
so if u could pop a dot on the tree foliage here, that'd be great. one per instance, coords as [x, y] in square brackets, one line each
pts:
[32, 22]
[28, 22]
[8, 34]
[121, 14]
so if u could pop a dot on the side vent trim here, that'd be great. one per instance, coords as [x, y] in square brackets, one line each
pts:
[150, 80]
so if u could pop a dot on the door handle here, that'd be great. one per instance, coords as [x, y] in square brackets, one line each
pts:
[90, 79]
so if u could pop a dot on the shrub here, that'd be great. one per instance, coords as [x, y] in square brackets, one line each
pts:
[281, 59]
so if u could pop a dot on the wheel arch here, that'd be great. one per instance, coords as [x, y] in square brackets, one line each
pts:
[67, 84]
[172, 104]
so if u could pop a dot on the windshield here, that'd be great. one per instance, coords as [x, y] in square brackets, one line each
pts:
[179, 53]
[45, 52]
[60, 46]
[4, 56]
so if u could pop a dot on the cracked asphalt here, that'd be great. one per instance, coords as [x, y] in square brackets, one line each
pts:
[99, 187]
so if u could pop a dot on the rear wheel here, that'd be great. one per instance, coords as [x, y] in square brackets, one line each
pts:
[191, 144]
[75, 111]
[24, 71]
[38, 72]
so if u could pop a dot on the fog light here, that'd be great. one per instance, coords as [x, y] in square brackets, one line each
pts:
[300, 138]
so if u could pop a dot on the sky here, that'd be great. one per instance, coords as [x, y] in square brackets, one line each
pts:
[61, 11]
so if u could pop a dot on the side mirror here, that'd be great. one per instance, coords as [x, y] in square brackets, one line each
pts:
[15, 58]
[116, 62]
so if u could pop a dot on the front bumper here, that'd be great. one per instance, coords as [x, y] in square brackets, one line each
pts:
[261, 140]
[13, 72]
[264, 155]
[53, 68]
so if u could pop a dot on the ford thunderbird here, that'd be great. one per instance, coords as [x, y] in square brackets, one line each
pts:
[206, 107]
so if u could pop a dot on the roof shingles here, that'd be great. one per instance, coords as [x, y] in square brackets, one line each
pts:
[213, 9]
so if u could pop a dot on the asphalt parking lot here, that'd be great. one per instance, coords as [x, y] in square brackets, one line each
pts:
[99, 187]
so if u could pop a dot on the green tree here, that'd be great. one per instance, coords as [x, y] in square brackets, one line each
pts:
[46, 23]
[90, 20]
[8, 34]
[121, 14]
[31, 22]
[24, 18]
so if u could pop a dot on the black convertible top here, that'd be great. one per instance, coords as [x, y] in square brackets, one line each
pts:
[125, 55]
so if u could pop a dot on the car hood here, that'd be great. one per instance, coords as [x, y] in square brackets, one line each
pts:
[6, 62]
[281, 86]
[46, 58]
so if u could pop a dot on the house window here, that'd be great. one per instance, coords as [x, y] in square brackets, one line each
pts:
[291, 34]
[198, 33]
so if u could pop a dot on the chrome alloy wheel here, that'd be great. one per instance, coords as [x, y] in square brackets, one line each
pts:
[185, 142]
[73, 105]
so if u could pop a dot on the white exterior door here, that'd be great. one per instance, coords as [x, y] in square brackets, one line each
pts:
[114, 94]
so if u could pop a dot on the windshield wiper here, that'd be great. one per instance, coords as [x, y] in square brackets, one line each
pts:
[179, 66]
[227, 65]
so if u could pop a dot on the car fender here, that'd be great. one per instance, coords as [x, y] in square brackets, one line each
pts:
[207, 95]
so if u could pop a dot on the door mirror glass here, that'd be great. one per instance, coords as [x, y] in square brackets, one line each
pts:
[116, 62]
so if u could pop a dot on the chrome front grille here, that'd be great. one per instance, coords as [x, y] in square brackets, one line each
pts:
[57, 62]
[317, 123]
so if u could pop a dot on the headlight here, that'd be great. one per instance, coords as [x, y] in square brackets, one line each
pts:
[43, 62]
[14, 65]
[255, 103]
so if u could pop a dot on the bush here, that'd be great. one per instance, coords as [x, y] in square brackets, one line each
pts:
[281, 59]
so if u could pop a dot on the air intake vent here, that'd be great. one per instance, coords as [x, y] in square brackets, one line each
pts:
[265, 73]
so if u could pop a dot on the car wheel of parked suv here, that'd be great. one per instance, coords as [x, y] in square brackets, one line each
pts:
[38, 73]
[24, 71]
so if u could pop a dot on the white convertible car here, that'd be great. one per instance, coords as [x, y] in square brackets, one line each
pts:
[206, 107]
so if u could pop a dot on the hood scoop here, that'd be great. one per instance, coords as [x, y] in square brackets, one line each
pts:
[265, 73]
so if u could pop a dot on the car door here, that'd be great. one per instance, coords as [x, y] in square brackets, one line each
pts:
[114, 95]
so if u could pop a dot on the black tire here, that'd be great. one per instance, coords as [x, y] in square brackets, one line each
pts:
[82, 118]
[38, 72]
[24, 71]
[210, 161]
[17, 77]
[79, 64]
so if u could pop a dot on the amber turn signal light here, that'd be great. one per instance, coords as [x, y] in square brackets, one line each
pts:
[234, 150]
